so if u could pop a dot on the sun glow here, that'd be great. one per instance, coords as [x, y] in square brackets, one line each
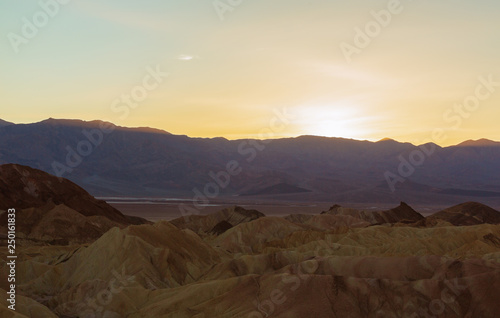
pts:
[340, 119]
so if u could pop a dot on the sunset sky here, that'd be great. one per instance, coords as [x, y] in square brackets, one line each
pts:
[230, 68]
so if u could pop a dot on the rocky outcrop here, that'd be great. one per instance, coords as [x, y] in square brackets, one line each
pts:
[23, 187]
[205, 224]
[469, 213]
[400, 214]
[54, 210]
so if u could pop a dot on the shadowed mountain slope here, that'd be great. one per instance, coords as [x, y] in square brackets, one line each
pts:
[479, 143]
[219, 222]
[5, 123]
[24, 187]
[401, 214]
[50, 208]
[469, 213]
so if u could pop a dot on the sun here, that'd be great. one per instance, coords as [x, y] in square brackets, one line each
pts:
[333, 120]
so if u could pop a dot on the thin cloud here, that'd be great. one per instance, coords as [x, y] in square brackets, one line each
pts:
[185, 57]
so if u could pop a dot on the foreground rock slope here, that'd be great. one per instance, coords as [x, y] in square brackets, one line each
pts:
[51, 209]
[343, 263]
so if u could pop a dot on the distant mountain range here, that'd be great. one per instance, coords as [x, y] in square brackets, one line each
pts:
[108, 160]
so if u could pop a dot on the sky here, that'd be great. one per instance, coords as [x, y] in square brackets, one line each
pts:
[412, 70]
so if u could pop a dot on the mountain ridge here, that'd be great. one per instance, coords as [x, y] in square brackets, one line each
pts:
[128, 162]
[479, 143]
[159, 130]
[5, 123]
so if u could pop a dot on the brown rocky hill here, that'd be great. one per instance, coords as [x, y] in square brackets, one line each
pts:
[54, 209]
[219, 222]
[469, 213]
[400, 214]
[24, 187]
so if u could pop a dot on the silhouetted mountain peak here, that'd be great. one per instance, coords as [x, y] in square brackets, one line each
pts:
[4, 123]
[468, 213]
[404, 205]
[387, 139]
[100, 124]
[402, 213]
[218, 222]
[479, 143]
[430, 145]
